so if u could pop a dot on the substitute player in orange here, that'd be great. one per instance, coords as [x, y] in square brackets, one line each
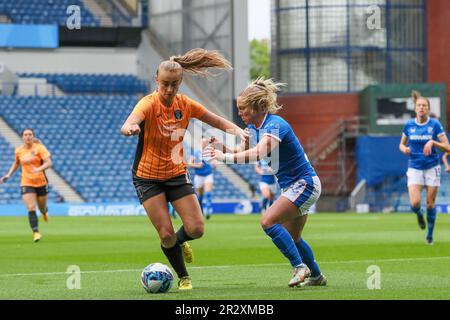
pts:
[159, 172]
[34, 159]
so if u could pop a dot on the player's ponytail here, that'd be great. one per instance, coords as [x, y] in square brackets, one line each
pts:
[415, 95]
[261, 95]
[197, 61]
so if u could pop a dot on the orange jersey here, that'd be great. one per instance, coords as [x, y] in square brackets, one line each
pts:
[159, 154]
[29, 159]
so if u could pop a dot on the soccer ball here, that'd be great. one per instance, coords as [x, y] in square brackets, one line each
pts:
[156, 278]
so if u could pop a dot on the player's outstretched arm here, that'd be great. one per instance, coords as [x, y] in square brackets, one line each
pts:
[442, 145]
[131, 126]
[223, 124]
[11, 171]
[262, 149]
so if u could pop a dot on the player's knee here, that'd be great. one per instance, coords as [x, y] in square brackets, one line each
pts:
[415, 204]
[196, 232]
[167, 236]
[266, 222]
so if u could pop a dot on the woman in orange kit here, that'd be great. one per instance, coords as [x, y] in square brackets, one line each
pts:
[34, 159]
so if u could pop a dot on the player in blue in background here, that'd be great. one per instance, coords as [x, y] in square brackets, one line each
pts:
[204, 179]
[421, 136]
[285, 219]
[268, 184]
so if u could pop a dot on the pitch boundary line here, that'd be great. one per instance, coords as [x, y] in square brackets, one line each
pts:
[224, 266]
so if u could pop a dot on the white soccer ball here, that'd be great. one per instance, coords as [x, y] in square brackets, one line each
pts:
[157, 278]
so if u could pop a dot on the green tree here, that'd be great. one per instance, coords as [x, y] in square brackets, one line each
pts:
[259, 58]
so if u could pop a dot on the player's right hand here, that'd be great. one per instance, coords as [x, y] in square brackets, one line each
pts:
[134, 130]
[407, 151]
[3, 179]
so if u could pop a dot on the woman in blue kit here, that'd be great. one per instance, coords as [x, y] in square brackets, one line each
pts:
[420, 139]
[267, 185]
[276, 142]
[203, 179]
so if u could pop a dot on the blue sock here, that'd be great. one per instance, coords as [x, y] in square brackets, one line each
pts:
[208, 201]
[417, 211]
[284, 242]
[308, 257]
[431, 218]
[200, 200]
[264, 203]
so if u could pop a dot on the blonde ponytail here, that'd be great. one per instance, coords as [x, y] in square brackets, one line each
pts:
[197, 61]
[261, 95]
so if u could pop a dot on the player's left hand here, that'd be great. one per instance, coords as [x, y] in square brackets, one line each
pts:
[213, 154]
[35, 170]
[428, 148]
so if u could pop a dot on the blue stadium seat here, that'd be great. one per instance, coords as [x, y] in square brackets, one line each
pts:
[94, 83]
[82, 133]
[45, 12]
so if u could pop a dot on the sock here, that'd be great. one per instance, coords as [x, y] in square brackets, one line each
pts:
[182, 236]
[175, 257]
[208, 201]
[200, 200]
[264, 203]
[307, 255]
[33, 219]
[431, 218]
[284, 242]
[417, 211]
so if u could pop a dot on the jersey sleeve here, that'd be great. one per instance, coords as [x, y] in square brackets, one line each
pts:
[439, 129]
[197, 110]
[43, 152]
[276, 129]
[405, 130]
[142, 108]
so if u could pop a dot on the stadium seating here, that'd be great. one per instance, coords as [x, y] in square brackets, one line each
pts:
[393, 194]
[83, 135]
[10, 191]
[94, 83]
[45, 12]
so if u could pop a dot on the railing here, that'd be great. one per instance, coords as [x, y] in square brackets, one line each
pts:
[320, 147]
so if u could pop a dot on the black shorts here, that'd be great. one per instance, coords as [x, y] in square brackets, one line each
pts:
[174, 188]
[40, 191]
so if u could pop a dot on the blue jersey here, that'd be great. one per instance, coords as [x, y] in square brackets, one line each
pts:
[288, 160]
[418, 135]
[204, 171]
[267, 176]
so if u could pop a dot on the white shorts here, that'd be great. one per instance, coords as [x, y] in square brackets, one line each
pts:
[430, 177]
[272, 187]
[199, 181]
[304, 193]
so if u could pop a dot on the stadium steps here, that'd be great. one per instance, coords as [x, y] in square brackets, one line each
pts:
[98, 12]
[64, 189]
[235, 179]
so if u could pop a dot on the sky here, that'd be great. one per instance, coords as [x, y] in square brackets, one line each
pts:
[259, 19]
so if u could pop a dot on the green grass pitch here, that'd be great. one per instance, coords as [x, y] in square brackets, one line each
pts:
[234, 259]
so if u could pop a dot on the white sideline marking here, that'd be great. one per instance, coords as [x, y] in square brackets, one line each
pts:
[225, 266]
